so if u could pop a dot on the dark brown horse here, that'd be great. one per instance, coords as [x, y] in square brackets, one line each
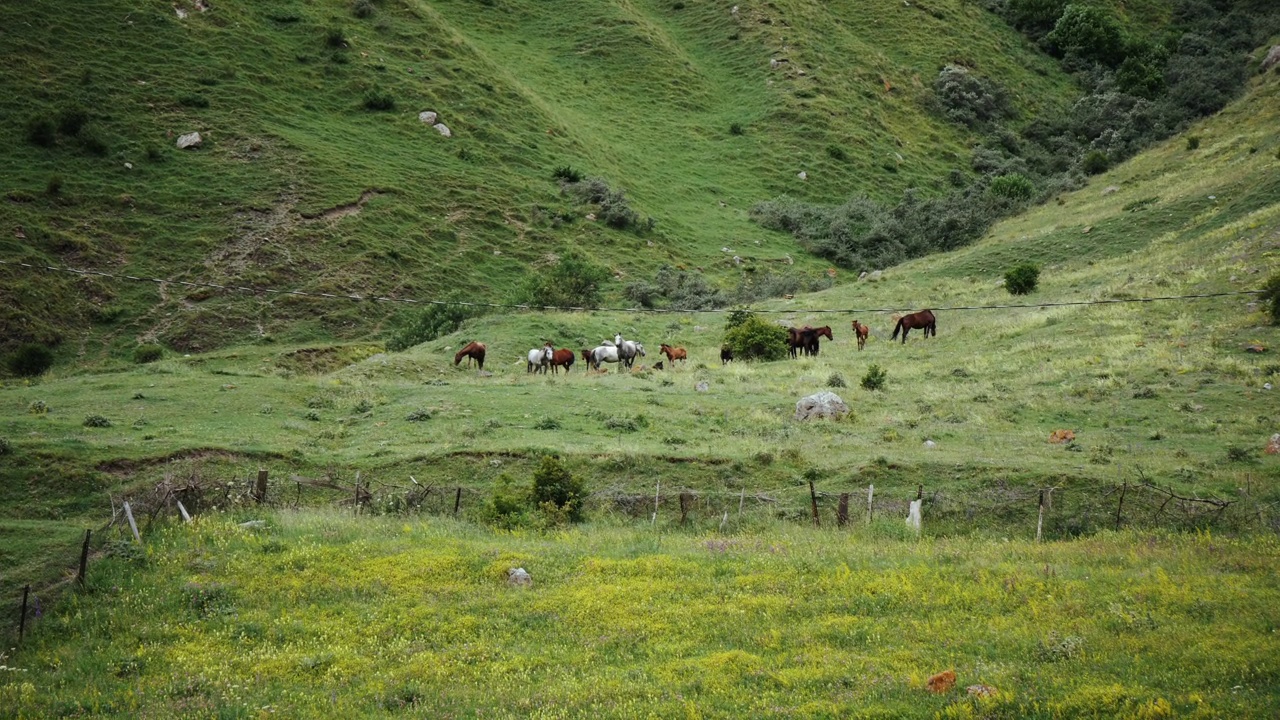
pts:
[806, 338]
[726, 354]
[562, 358]
[923, 320]
[673, 354]
[861, 331]
[471, 351]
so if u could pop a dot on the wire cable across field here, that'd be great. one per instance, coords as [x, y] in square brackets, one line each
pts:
[562, 308]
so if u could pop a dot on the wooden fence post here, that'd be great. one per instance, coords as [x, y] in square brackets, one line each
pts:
[742, 498]
[657, 492]
[686, 498]
[84, 558]
[1123, 489]
[813, 501]
[260, 490]
[842, 511]
[22, 619]
[1040, 521]
[871, 493]
[457, 501]
[186, 516]
[128, 513]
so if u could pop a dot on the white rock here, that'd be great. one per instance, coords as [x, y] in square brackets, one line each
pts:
[518, 577]
[875, 275]
[733, 10]
[1273, 57]
[591, 217]
[190, 140]
[929, 444]
[428, 117]
[443, 129]
[1266, 386]
[863, 275]
[702, 386]
[802, 175]
[182, 14]
[1110, 189]
[128, 166]
[825, 404]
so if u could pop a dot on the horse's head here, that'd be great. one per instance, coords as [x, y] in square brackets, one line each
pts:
[825, 331]
[586, 355]
[640, 349]
[547, 351]
[617, 339]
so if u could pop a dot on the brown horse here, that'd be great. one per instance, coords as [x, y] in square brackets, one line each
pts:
[471, 351]
[806, 338]
[726, 354]
[923, 319]
[673, 354]
[562, 358]
[811, 348]
[861, 331]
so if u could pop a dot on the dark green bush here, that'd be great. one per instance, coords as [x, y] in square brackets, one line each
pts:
[71, 121]
[1193, 142]
[1271, 297]
[1095, 162]
[335, 38]
[1023, 279]
[40, 131]
[567, 174]
[433, 322]
[6, 448]
[147, 353]
[875, 378]
[362, 8]
[96, 421]
[756, 339]
[94, 143]
[554, 484]
[574, 281]
[1088, 32]
[736, 129]
[54, 186]
[968, 99]
[507, 506]
[835, 152]
[1014, 187]
[193, 101]
[377, 100]
[614, 208]
[30, 360]
[836, 380]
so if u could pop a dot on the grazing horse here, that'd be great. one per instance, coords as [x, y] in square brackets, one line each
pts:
[806, 338]
[923, 319]
[561, 358]
[539, 358]
[726, 354]
[627, 350]
[673, 354]
[472, 350]
[861, 331]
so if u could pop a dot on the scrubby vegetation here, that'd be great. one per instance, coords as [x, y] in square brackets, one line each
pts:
[751, 337]
[1022, 279]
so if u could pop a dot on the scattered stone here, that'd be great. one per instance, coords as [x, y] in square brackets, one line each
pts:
[737, 260]
[942, 682]
[189, 140]
[1058, 437]
[980, 690]
[802, 175]
[443, 129]
[1266, 386]
[591, 217]
[825, 404]
[182, 14]
[1255, 348]
[733, 10]
[1087, 230]
[863, 276]
[128, 166]
[518, 577]
[875, 275]
[428, 117]
[1273, 446]
[929, 444]
[1000, 282]
[254, 525]
[1272, 59]
[702, 386]
[1110, 189]
[775, 63]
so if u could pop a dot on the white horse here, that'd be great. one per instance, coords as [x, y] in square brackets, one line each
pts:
[628, 350]
[603, 354]
[539, 359]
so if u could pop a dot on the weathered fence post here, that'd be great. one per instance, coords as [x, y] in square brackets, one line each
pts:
[724, 520]
[842, 511]
[871, 493]
[686, 498]
[657, 492]
[1040, 521]
[128, 513]
[1123, 489]
[22, 619]
[260, 490]
[813, 501]
[186, 516]
[742, 498]
[84, 558]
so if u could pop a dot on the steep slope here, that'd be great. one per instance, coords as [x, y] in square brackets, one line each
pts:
[303, 182]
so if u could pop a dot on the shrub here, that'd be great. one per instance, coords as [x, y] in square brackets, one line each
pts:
[1055, 648]
[37, 407]
[377, 100]
[418, 416]
[433, 322]
[553, 484]
[836, 380]
[835, 152]
[40, 131]
[574, 281]
[546, 423]
[30, 360]
[1088, 32]
[335, 38]
[1014, 187]
[567, 174]
[71, 121]
[1095, 162]
[968, 99]
[614, 208]
[6, 448]
[507, 504]
[1022, 279]
[362, 8]
[96, 421]
[736, 129]
[94, 144]
[1193, 142]
[147, 353]
[875, 378]
[1238, 454]
[756, 339]
[1270, 296]
[54, 186]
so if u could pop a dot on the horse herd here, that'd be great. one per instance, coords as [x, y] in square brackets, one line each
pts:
[624, 352]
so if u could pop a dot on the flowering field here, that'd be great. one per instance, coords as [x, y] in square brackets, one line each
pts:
[321, 614]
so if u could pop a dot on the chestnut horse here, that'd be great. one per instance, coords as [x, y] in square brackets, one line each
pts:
[923, 319]
[861, 331]
[806, 338]
[673, 354]
[562, 358]
[471, 351]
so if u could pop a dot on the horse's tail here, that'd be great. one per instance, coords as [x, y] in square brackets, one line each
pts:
[896, 328]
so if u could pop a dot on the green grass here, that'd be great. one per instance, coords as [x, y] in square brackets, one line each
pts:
[323, 614]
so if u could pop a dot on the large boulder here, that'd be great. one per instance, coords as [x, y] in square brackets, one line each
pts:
[825, 404]
[189, 140]
[1272, 59]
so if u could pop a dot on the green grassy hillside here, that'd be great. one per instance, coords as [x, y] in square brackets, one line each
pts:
[641, 94]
